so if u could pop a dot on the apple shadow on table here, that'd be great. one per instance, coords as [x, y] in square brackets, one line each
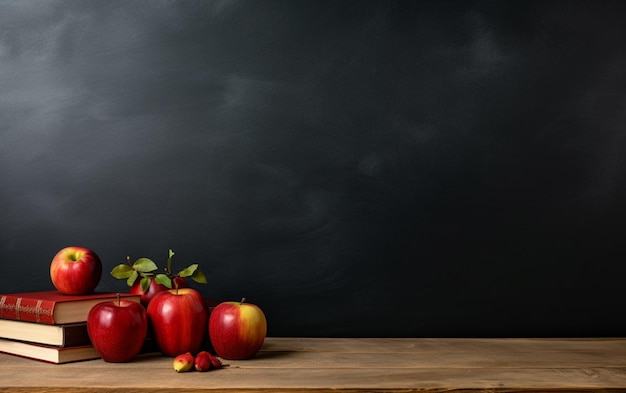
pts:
[269, 355]
[146, 357]
[269, 351]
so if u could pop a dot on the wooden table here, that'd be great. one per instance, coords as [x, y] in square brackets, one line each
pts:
[353, 365]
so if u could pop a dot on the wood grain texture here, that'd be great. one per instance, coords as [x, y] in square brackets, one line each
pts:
[353, 365]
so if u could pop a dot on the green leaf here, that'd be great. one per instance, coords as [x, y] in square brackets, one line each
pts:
[188, 271]
[163, 280]
[131, 279]
[199, 277]
[145, 283]
[170, 254]
[122, 271]
[144, 265]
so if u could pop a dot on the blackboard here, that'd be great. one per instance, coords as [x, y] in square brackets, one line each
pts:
[355, 168]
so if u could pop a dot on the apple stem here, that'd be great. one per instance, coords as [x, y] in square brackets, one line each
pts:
[243, 299]
[118, 299]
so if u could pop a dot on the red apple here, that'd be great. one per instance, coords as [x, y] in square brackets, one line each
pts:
[154, 288]
[117, 329]
[237, 329]
[75, 270]
[179, 319]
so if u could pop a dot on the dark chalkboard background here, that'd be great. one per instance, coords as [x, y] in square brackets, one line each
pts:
[356, 168]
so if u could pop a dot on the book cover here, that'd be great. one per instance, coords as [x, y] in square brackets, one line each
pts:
[67, 335]
[48, 353]
[52, 307]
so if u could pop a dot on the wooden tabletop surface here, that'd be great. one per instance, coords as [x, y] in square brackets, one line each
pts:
[351, 364]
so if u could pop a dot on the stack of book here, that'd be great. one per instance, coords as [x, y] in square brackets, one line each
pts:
[49, 326]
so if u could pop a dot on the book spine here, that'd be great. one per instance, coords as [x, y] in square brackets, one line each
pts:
[26, 309]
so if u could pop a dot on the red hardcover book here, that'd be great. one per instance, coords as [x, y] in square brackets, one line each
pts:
[52, 307]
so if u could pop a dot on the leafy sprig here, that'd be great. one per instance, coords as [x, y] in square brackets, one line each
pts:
[145, 269]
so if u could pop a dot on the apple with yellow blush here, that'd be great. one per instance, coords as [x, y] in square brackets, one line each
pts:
[75, 270]
[237, 330]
